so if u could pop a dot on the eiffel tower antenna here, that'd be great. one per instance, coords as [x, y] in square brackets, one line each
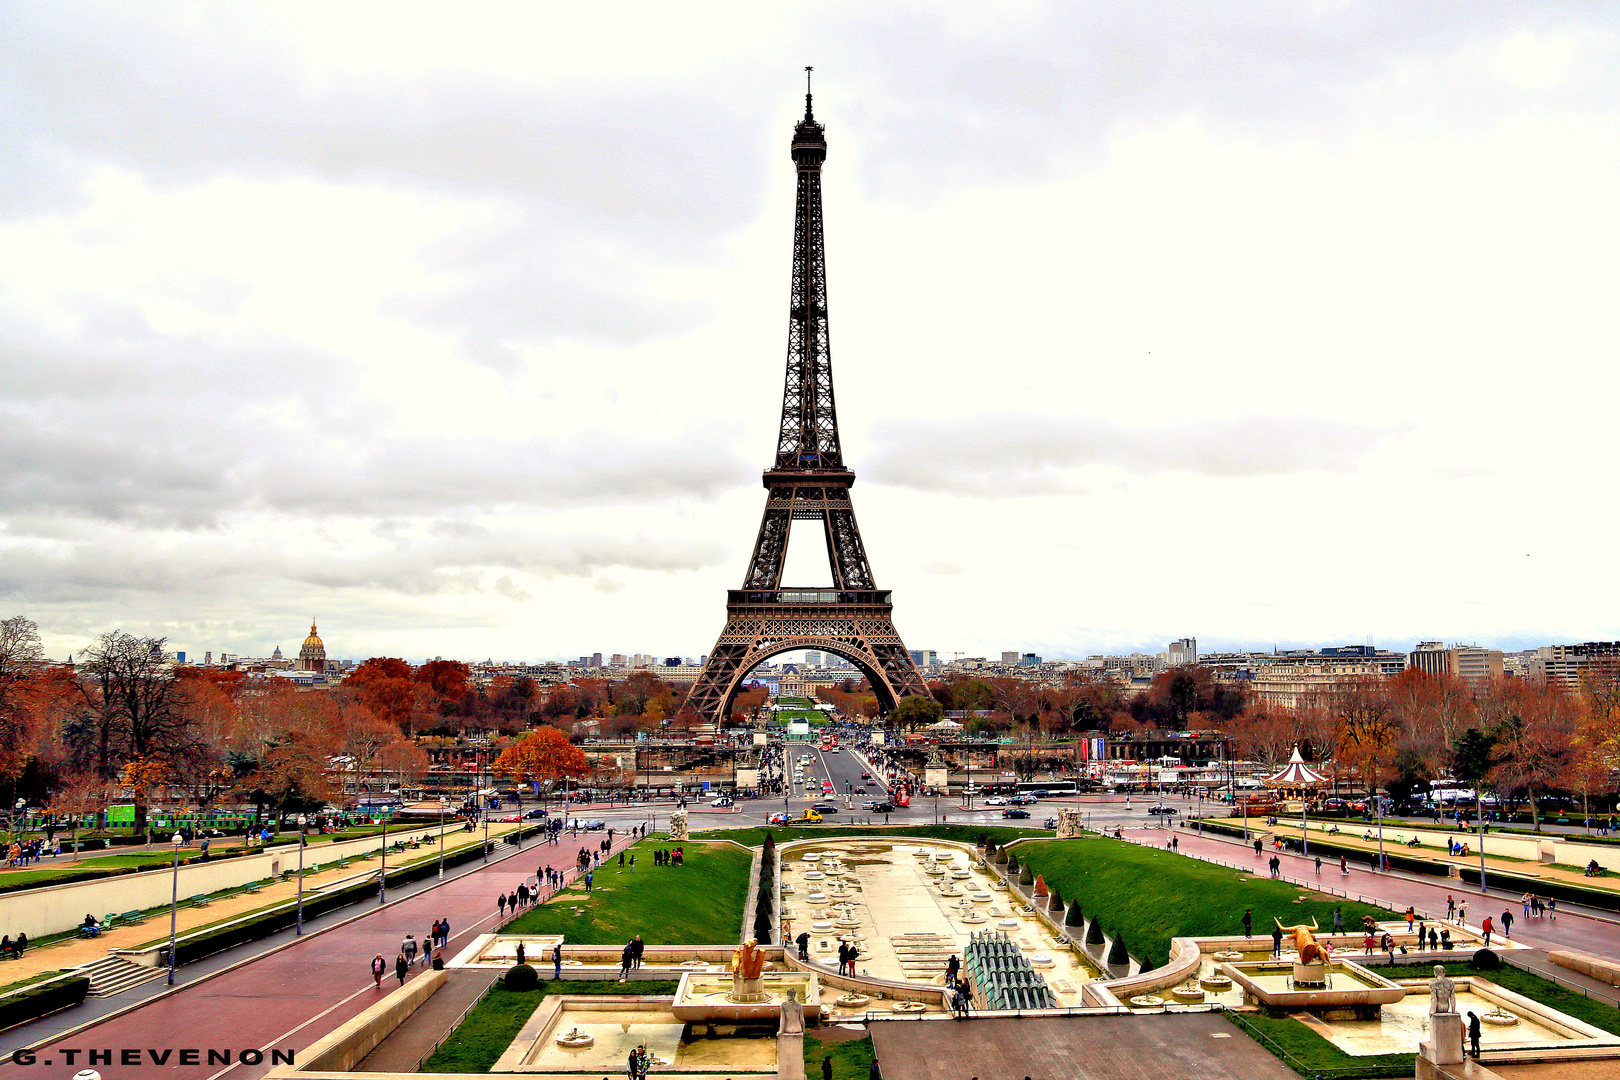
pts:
[808, 481]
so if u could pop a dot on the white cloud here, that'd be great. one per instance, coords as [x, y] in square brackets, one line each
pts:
[1274, 323]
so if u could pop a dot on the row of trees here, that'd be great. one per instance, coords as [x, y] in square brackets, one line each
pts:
[127, 724]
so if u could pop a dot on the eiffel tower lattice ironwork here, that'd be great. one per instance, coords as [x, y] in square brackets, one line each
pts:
[808, 482]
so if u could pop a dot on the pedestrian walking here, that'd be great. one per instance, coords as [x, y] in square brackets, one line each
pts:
[427, 952]
[444, 931]
[632, 862]
[1462, 912]
[626, 958]
[589, 879]
[952, 966]
[843, 957]
[826, 1068]
[400, 968]
[511, 901]
[1526, 902]
[1344, 866]
[1276, 941]
[408, 947]
[1507, 924]
[639, 948]
[379, 968]
[1319, 864]
[1486, 926]
[1248, 922]
[874, 1073]
[523, 893]
[803, 941]
[500, 902]
[1338, 922]
[1451, 908]
[1552, 908]
[556, 961]
[522, 954]
[1473, 1034]
[854, 955]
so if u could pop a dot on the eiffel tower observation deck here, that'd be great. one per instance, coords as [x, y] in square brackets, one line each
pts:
[807, 482]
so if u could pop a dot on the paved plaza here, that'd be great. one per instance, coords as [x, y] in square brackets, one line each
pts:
[1196, 1046]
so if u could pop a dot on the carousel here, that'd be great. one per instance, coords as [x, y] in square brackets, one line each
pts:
[1297, 782]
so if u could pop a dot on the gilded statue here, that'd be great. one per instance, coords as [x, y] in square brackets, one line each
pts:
[747, 961]
[1305, 943]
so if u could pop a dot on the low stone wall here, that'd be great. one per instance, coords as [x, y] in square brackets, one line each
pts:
[344, 1048]
[56, 909]
[1602, 970]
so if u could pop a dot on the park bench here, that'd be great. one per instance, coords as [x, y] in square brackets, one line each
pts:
[200, 900]
[128, 918]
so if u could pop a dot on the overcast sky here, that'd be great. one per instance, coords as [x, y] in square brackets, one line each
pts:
[462, 326]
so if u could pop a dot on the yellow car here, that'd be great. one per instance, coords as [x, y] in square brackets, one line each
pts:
[810, 818]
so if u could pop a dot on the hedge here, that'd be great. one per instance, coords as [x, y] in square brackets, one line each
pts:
[230, 935]
[1560, 890]
[1325, 848]
[32, 1002]
[72, 874]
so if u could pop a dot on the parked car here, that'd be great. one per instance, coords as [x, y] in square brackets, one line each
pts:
[1015, 812]
[824, 808]
[995, 800]
[1023, 800]
[595, 825]
[777, 819]
[883, 808]
[722, 801]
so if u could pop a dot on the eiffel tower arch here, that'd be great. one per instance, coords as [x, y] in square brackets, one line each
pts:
[808, 482]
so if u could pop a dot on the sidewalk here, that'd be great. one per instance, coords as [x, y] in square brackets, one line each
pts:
[302, 990]
[1571, 930]
[1392, 846]
[73, 951]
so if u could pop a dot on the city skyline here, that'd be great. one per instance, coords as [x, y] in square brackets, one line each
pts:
[1281, 322]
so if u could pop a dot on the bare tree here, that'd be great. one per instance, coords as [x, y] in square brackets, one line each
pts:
[141, 719]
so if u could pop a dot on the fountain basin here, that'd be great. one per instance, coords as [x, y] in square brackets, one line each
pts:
[1353, 991]
[575, 1039]
[708, 997]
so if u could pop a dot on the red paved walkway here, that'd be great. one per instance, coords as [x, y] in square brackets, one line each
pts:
[292, 997]
[1601, 937]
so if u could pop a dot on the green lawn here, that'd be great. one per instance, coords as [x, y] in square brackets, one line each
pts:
[1151, 895]
[965, 834]
[700, 902]
[852, 1059]
[1310, 1055]
[494, 1022]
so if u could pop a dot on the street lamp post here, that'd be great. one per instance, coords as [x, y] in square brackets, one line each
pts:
[303, 821]
[485, 815]
[174, 902]
[382, 891]
[443, 806]
[1479, 812]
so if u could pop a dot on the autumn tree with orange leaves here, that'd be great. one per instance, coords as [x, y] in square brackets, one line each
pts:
[543, 754]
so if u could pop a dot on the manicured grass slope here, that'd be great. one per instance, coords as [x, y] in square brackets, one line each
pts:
[1151, 895]
[699, 903]
[852, 1059]
[1310, 1055]
[494, 1022]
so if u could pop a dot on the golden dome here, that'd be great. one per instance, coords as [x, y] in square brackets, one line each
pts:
[314, 639]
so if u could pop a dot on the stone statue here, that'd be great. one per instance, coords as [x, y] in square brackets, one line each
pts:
[792, 1015]
[677, 825]
[1305, 941]
[747, 961]
[1069, 823]
[1442, 992]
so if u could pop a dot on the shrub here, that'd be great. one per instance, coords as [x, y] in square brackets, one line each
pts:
[1094, 934]
[1012, 864]
[1486, 960]
[1040, 885]
[762, 926]
[1147, 965]
[981, 841]
[1001, 856]
[1075, 917]
[1057, 900]
[32, 1002]
[1026, 876]
[521, 977]
[1117, 953]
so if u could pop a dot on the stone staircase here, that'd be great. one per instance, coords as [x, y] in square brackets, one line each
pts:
[113, 974]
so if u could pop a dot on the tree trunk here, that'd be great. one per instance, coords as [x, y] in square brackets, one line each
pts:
[1535, 814]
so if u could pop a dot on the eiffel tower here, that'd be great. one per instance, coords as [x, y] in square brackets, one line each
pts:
[808, 482]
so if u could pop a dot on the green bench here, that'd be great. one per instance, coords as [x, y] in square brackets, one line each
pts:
[200, 900]
[128, 918]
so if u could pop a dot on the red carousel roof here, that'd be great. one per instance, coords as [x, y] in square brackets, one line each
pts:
[1296, 774]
